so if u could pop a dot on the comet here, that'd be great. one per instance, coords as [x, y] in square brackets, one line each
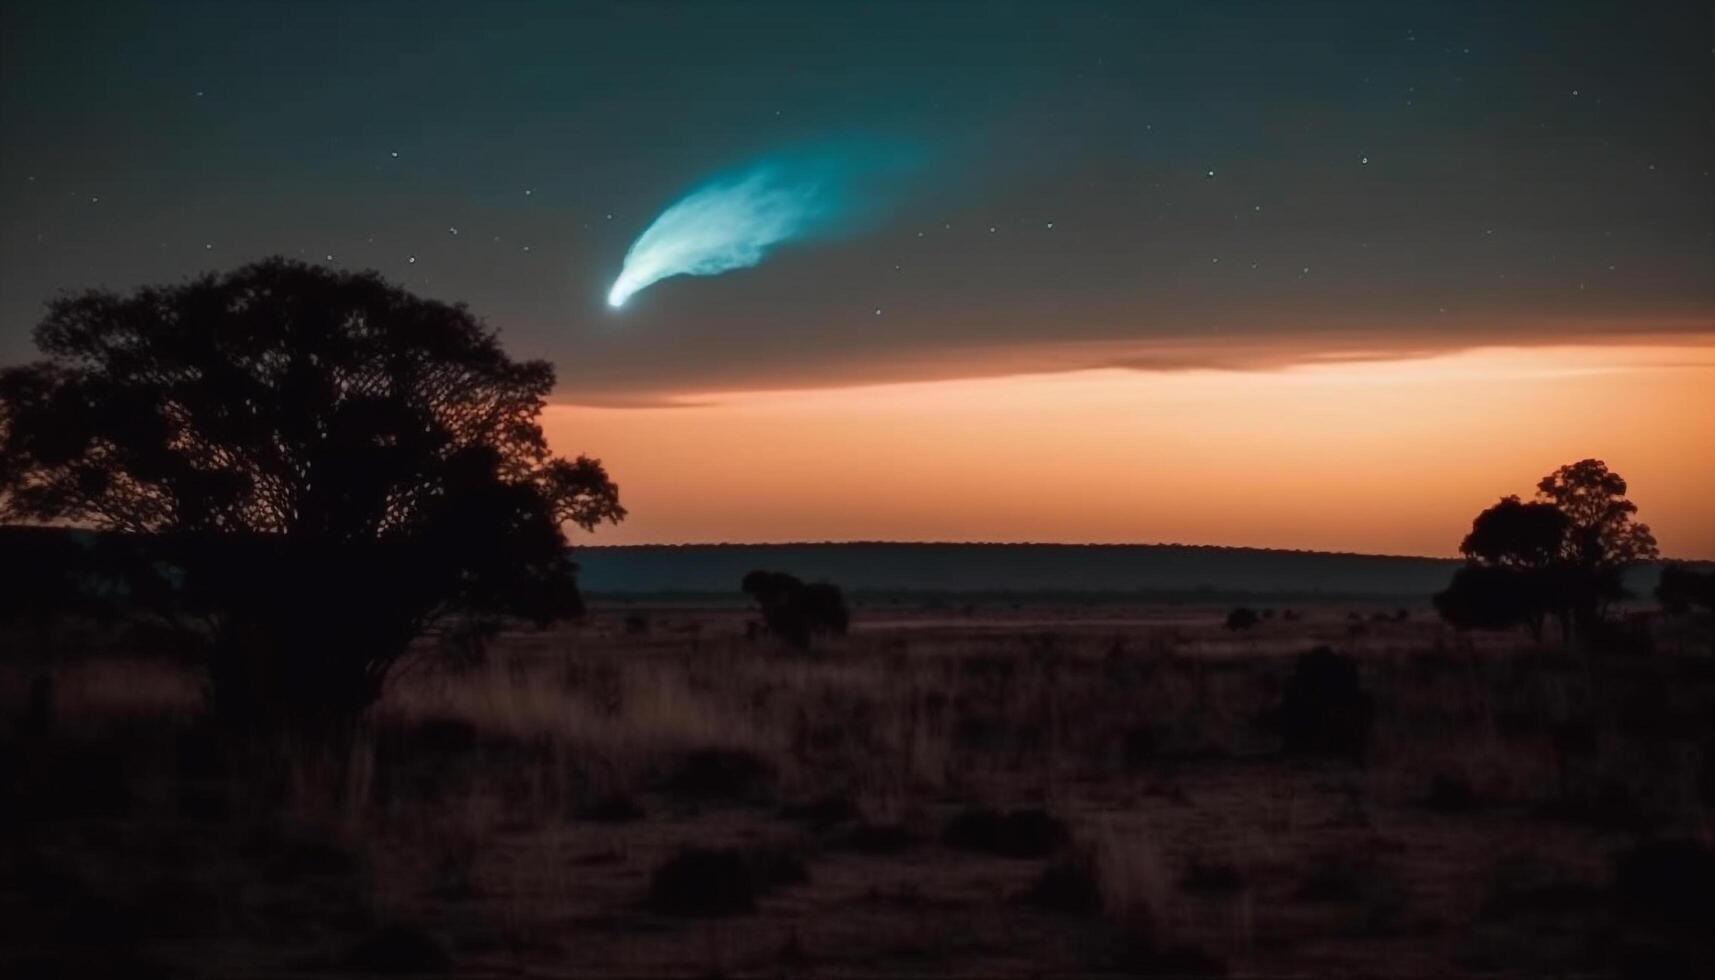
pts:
[736, 220]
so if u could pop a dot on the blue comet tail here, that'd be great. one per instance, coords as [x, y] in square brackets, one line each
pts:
[733, 221]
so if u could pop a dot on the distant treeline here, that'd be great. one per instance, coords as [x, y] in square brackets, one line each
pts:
[961, 572]
[1114, 572]
[1152, 571]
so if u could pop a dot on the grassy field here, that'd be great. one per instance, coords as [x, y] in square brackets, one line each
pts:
[1005, 790]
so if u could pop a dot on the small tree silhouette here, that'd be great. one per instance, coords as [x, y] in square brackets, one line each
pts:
[1512, 555]
[795, 611]
[326, 464]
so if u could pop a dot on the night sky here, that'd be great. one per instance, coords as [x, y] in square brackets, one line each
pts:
[1090, 184]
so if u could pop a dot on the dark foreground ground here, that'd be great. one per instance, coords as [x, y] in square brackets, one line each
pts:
[986, 792]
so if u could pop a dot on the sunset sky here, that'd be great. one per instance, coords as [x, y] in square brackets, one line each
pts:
[1388, 456]
[1327, 275]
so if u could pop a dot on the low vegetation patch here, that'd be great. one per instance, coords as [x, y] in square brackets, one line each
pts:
[1325, 709]
[712, 882]
[1026, 833]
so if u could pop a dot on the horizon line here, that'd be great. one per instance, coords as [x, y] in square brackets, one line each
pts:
[895, 543]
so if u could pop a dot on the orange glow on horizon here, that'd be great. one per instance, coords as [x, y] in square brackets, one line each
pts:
[1389, 456]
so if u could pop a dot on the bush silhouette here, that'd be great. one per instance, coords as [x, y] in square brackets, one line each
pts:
[324, 465]
[398, 950]
[1324, 709]
[1487, 598]
[1069, 887]
[703, 882]
[712, 882]
[795, 611]
[1242, 618]
[1667, 881]
[1027, 833]
[1682, 587]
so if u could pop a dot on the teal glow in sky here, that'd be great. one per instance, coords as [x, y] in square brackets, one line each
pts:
[722, 226]
[734, 221]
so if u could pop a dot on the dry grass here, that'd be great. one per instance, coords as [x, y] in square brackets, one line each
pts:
[513, 812]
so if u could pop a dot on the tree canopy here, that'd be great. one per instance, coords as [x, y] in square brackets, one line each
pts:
[1602, 531]
[328, 463]
[1563, 553]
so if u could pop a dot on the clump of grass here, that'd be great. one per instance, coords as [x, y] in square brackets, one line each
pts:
[721, 775]
[1026, 833]
[714, 882]
[398, 950]
[1070, 886]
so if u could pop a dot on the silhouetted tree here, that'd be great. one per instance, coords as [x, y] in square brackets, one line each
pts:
[1518, 535]
[796, 611]
[1563, 554]
[1512, 555]
[1603, 530]
[325, 464]
[1603, 537]
[1682, 587]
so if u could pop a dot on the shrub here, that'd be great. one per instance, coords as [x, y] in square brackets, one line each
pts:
[1450, 794]
[702, 882]
[1203, 878]
[824, 812]
[1324, 709]
[1028, 833]
[885, 838]
[1668, 882]
[1683, 587]
[795, 611]
[1069, 887]
[722, 775]
[712, 882]
[1242, 618]
[398, 950]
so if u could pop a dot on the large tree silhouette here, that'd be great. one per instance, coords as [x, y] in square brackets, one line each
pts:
[324, 463]
[1565, 553]
[1603, 534]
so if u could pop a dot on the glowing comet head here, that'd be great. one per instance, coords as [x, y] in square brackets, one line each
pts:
[732, 222]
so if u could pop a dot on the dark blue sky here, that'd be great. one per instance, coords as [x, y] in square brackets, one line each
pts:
[1221, 177]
